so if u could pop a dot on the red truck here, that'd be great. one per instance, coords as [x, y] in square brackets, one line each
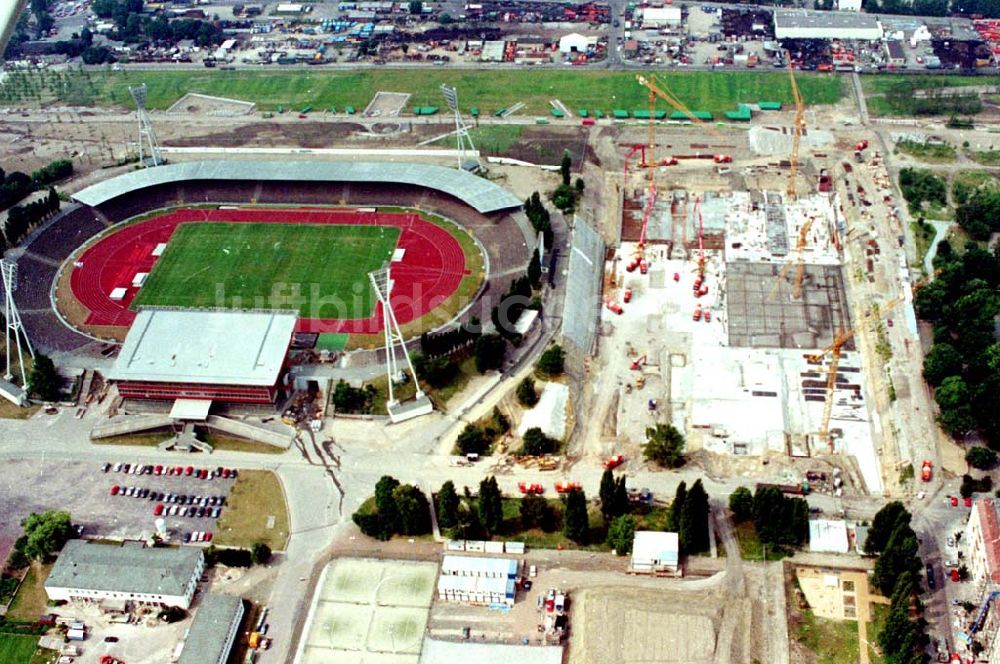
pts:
[564, 486]
[527, 488]
[614, 461]
[927, 471]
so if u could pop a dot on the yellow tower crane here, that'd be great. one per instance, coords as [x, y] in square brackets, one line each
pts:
[800, 125]
[799, 263]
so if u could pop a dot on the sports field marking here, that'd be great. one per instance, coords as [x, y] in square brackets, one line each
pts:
[321, 270]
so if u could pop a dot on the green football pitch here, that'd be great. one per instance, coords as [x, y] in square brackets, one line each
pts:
[319, 270]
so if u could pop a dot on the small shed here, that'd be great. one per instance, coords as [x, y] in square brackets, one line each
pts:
[574, 43]
[655, 552]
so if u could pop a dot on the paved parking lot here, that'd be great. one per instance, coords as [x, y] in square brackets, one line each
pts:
[28, 486]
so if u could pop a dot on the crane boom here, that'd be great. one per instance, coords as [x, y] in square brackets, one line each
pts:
[674, 102]
[800, 123]
[799, 262]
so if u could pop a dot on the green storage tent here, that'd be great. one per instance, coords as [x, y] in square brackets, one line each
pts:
[349, 110]
[425, 110]
[474, 111]
[620, 114]
[770, 105]
[701, 115]
[641, 115]
[598, 113]
[741, 115]
[500, 112]
[582, 112]
[556, 113]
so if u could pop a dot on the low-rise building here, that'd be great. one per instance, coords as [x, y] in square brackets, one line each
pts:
[655, 552]
[133, 572]
[659, 17]
[213, 630]
[805, 24]
[828, 536]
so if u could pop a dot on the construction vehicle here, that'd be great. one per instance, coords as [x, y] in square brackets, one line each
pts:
[614, 461]
[697, 312]
[547, 463]
[637, 363]
[825, 181]
[793, 489]
[708, 316]
[700, 288]
[627, 295]
[980, 617]
[640, 382]
[927, 471]
[615, 307]
[800, 125]
[565, 486]
[799, 263]
[530, 488]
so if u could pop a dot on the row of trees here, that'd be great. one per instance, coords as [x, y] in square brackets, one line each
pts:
[963, 365]
[133, 26]
[53, 172]
[399, 509]
[21, 218]
[920, 186]
[781, 522]
[566, 195]
[689, 518]
[891, 537]
[478, 438]
[347, 399]
[445, 343]
[510, 307]
[539, 217]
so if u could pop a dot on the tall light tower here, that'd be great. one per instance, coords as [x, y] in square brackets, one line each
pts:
[462, 137]
[14, 329]
[146, 132]
[382, 283]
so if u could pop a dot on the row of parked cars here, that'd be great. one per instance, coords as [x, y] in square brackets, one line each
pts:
[170, 471]
[198, 536]
[192, 512]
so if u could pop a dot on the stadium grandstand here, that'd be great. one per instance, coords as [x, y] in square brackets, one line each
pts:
[486, 210]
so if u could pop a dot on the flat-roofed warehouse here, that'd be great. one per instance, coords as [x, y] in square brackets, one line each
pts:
[805, 24]
[229, 356]
[213, 630]
[131, 572]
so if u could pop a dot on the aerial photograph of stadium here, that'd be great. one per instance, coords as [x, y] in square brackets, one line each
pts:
[534, 331]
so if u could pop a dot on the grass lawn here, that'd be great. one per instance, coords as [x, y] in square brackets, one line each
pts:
[9, 411]
[489, 90]
[23, 649]
[321, 270]
[750, 546]
[936, 153]
[833, 641]
[256, 496]
[491, 139]
[880, 613]
[29, 602]
[923, 233]
[967, 182]
[986, 157]
[216, 440]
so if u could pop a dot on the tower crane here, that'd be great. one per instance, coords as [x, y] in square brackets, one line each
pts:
[654, 89]
[800, 124]
[799, 262]
[834, 351]
[700, 290]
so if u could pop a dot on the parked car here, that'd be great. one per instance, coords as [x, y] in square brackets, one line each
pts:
[188, 471]
[930, 577]
[158, 510]
[187, 537]
[157, 470]
[208, 536]
[115, 489]
[951, 541]
[106, 467]
[118, 466]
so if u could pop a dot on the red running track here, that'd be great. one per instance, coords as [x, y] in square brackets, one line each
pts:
[432, 268]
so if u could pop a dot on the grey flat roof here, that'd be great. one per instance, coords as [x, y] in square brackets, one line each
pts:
[475, 191]
[449, 652]
[802, 18]
[212, 347]
[207, 640]
[126, 568]
[581, 306]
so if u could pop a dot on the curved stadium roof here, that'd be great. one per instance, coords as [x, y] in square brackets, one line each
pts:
[475, 191]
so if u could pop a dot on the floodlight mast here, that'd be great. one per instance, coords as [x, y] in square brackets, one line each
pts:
[14, 330]
[462, 137]
[146, 134]
[381, 281]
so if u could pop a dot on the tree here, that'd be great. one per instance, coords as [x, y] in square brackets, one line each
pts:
[413, 515]
[580, 185]
[677, 508]
[536, 443]
[46, 533]
[472, 440]
[607, 495]
[385, 504]
[416, 6]
[741, 504]
[622, 503]
[526, 394]
[899, 555]
[941, 361]
[621, 534]
[260, 553]
[576, 522]
[490, 505]
[447, 505]
[564, 167]
[43, 379]
[693, 533]
[952, 397]
[663, 446]
[535, 269]
[537, 513]
[885, 522]
[445, 19]
[981, 458]
[489, 351]
[553, 361]
[500, 421]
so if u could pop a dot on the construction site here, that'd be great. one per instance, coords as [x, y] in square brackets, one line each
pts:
[725, 303]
